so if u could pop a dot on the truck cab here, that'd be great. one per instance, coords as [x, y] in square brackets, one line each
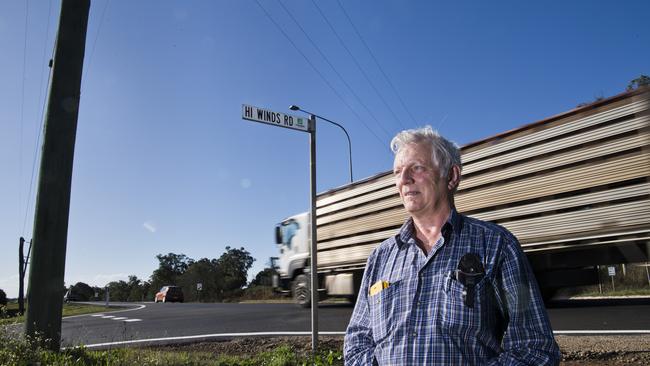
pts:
[292, 239]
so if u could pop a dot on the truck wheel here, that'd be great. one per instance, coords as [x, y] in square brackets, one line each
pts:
[301, 292]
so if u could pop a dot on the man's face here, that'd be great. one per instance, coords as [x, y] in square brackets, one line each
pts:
[420, 186]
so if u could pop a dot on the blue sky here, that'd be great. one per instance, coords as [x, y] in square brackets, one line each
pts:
[164, 162]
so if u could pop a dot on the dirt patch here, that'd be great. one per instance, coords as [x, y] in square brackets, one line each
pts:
[576, 350]
[605, 350]
[255, 345]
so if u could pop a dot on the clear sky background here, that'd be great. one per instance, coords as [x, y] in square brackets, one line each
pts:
[164, 162]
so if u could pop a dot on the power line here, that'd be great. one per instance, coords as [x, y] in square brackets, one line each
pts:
[357, 64]
[22, 109]
[99, 28]
[335, 70]
[38, 142]
[42, 120]
[318, 72]
[377, 62]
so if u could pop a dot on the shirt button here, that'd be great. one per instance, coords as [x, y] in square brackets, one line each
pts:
[414, 334]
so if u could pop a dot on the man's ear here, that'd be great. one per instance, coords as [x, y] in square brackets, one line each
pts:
[454, 178]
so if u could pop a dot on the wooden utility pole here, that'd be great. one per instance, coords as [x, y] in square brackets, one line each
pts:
[21, 276]
[45, 292]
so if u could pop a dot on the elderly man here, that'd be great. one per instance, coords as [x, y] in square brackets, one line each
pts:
[447, 289]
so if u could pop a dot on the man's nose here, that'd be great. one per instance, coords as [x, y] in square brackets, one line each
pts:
[405, 177]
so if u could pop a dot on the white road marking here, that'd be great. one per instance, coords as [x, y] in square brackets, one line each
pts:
[216, 335]
[108, 316]
[133, 320]
[137, 307]
[596, 332]
[120, 318]
[249, 334]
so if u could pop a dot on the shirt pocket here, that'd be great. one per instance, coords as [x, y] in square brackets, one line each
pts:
[458, 318]
[385, 308]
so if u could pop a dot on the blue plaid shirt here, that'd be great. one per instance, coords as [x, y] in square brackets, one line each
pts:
[421, 318]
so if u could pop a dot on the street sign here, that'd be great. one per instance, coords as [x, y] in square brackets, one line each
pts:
[199, 286]
[611, 271]
[255, 114]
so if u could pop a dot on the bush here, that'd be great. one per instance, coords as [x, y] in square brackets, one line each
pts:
[3, 297]
[260, 293]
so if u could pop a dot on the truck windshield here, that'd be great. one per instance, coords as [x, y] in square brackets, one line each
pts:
[288, 230]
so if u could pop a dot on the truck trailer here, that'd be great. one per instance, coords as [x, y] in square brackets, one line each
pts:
[574, 188]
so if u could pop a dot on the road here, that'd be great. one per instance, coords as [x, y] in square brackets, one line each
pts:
[160, 322]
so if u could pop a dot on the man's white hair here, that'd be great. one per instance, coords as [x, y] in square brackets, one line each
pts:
[444, 153]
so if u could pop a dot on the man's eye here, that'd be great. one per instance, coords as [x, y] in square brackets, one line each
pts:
[418, 168]
[396, 172]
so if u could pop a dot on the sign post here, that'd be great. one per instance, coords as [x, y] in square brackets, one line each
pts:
[612, 272]
[266, 116]
[314, 241]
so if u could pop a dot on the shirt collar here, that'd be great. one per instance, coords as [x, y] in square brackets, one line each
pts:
[407, 231]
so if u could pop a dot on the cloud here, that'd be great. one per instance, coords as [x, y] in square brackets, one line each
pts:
[246, 183]
[150, 225]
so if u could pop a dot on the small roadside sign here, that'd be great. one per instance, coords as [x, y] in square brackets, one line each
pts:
[611, 271]
[199, 286]
[262, 115]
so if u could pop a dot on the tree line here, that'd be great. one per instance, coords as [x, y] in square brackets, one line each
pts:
[220, 279]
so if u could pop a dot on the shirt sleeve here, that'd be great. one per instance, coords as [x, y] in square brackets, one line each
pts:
[528, 337]
[359, 346]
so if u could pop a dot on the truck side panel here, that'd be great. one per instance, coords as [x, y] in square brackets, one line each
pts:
[576, 181]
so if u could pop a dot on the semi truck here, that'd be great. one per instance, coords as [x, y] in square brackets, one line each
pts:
[574, 188]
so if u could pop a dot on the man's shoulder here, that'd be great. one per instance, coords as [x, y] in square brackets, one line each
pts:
[384, 249]
[389, 244]
[489, 228]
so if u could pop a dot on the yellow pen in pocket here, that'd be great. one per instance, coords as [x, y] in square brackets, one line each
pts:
[378, 287]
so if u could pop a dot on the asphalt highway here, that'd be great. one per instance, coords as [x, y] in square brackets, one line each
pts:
[148, 323]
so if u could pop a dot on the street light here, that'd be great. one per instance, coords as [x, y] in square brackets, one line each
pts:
[296, 108]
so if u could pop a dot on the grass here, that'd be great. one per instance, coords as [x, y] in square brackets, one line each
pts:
[622, 292]
[22, 352]
[68, 310]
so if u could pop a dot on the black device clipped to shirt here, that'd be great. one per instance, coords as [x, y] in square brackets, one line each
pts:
[470, 271]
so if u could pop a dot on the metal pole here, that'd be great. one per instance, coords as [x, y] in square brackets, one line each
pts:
[647, 273]
[314, 239]
[296, 108]
[346, 135]
[50, 233]
[600, 285]
[350, 155]
[349, 144]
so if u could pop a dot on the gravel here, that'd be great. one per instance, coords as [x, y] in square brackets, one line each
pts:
[605, 350]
